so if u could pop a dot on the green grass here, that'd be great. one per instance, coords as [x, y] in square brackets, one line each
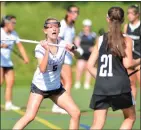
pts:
[81, 97]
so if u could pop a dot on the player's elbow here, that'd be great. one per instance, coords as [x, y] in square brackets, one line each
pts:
[42, 69]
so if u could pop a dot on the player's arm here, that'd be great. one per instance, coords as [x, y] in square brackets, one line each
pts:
[3, 45]
[92, 61]
[72, 49]
[125, 28]
[95, 37]
[43, 60]
[77, 41]
[128, 60]
[23, 52]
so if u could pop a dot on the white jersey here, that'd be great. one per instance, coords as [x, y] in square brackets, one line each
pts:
[49, 80]
[5, 53]
[67, 33]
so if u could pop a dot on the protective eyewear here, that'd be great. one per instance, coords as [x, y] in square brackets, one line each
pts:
[52, 24]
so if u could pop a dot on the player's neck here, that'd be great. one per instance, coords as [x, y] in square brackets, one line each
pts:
[87, 32]
[54, 41]
[135, 22]
[6, 30]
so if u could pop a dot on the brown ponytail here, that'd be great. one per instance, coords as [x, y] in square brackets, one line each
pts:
[115, 37]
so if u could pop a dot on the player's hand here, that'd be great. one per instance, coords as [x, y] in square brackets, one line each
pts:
[44, 44]
[26, 61]
[3, 45]
[70, 47]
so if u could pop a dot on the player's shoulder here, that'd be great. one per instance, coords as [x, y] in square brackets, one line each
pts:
[63, 23]
[1, 29]
[100, 41]
[14, 33]
[93, 34]
[100, 38]
[39, 47]
[126, 24]
[127, 38]
[81, 34]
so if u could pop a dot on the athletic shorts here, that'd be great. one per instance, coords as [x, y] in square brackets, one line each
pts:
[7, 68]
[85, 56]
[47, 94]
[116, 102]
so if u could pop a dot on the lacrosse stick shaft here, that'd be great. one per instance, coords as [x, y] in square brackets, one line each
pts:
[133, 72]
[35, 42]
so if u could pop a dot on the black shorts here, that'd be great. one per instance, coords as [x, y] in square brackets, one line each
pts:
[7, 68]
[117, 102]
[47, 94]
[85, 56]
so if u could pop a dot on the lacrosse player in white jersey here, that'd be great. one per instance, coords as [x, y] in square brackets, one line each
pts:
[67, 33]
[8, 38]
[46, 81]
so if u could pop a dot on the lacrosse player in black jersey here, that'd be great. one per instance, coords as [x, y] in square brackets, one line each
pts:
[113, 51]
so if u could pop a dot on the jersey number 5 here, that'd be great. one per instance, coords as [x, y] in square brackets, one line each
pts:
[107, 61]
[54, 67]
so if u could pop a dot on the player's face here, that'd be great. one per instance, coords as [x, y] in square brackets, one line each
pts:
[52, 29]
[11, 24]
[131, 15]
[73, 13]
[87, 28]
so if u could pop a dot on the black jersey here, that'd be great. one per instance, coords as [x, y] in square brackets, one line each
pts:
[87, 41]
[112, 78]
[135, 34]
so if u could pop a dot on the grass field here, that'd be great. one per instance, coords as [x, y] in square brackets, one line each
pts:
[30, 19]
[49, 120]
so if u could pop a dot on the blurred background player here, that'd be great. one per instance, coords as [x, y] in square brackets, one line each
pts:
[6, 66]
[133, 30]
[85, 40]
[67, 33]
[46, 81]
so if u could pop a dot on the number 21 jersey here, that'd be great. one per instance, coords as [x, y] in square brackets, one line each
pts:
[112, 77]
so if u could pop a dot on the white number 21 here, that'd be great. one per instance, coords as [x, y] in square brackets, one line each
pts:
[107, 61]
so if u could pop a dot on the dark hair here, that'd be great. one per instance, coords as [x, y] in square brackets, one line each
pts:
[69, 9]
[136, 8]
[6, 18]
[48, 19]
[71, 6]
[115, 37]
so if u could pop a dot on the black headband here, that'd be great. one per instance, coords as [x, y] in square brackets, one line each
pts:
[45, 25]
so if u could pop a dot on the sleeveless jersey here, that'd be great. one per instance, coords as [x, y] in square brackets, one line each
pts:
[49, 80]
[134, 32]
[87, 41]
[112, 77]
